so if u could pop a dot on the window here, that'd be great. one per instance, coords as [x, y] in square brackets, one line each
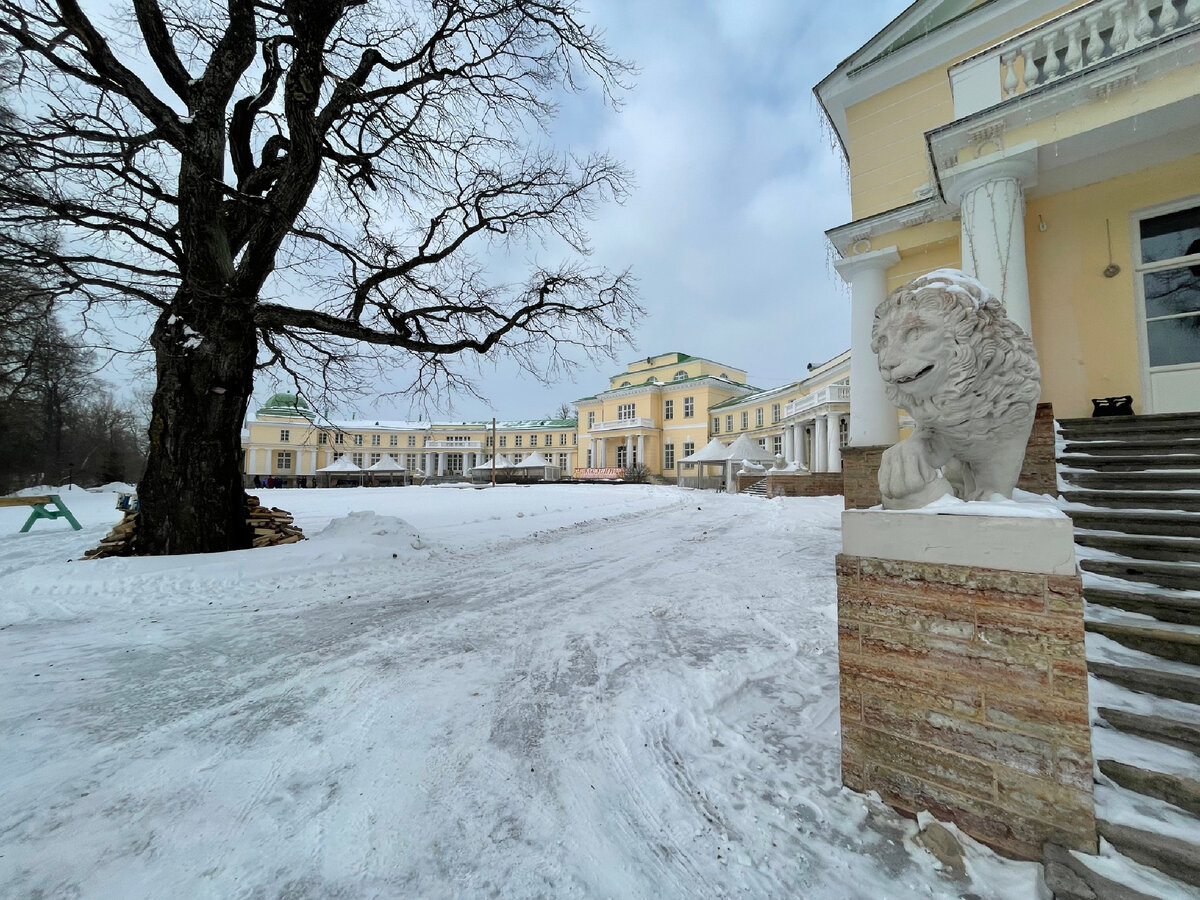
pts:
[591, 420]
[322, 438]
[729, 422]
[339, 438]
[394, 440]
[376, 457]
[668, 456]
[589, 459]
[517, 457]
[688, 448]
[562, 439]
[374, 440]
[716, 424]
[777, 444]
[574, 439]
[562, 460]
[681, 375]
[358, 440]
[774, 413]
[504, 440]
[620, 456]
[668, 409]
[549, 441]
[410, 461]
[283, 461]
[412, 440]
[758, 418]
[843, 432]
[626, 384]
[337, 456]
[285, 435]
[626, 411]
[533, 440]
[356, 458]
[1170, 280]
[517, 440]
[689, 407]
[746, 420]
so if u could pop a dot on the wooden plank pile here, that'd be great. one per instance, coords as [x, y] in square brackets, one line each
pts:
[270, 527]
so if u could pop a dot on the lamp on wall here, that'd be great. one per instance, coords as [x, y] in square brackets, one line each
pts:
[1112, 270]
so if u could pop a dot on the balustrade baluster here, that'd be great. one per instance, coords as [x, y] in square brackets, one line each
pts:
[1074, 48]
[1168, 16]
[1095, 45]
[1030, 74]
[1009, 61]
[1145, 25]
[1120, 33]
[1191, 11]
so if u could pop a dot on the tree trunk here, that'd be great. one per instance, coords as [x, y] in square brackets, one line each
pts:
[191, 495]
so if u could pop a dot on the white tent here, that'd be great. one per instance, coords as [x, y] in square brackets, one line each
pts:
[389, 466]
[483, 472]
[501, 463]
[712, 453]
[748, 450]
[536, 465]
[339, 467]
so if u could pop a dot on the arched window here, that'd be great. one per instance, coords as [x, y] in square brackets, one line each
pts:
[680, 375]
[626, 384]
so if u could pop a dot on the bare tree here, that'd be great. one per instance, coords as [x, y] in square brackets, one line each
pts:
[564, 410]
[304, 184]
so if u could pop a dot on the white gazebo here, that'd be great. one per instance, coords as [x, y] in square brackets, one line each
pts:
[483, 471]
[339, 467]
[388, 466]
[744, 449]
[536, 467]
[712, 453]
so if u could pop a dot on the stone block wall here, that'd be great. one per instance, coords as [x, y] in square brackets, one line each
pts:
[964, 693]
[1038, 472]
[816, 484]
[860, 476]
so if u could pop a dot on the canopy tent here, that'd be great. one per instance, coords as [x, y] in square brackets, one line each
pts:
[340, 467]
[744, 449]
[483, 472]
[388, 466]
[536, 467]
[711, 454]
[501, 462]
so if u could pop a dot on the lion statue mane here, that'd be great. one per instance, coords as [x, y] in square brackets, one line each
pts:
[969, 377]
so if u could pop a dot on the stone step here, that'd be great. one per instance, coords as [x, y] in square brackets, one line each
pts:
[1181, 792]
[1162, 422]
[1170, 855]
[1131, 463]
[1180, 646]
[1182, 576]
[1165, 549]
[1155, 500]
[1133, 481]
[1074, 876]
[1165, 524]
[1149, 681]
[1184, 735]
[1161, 606]
[1133, 445]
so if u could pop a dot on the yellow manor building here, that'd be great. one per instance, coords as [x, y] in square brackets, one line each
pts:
[658, 411]
[1050, 149]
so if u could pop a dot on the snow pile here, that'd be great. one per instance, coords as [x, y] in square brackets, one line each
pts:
[1023, 505]
[367, 534]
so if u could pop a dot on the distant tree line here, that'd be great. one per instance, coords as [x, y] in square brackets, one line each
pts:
[58, 419]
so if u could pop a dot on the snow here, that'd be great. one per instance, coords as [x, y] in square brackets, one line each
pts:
[1023, 504]
[550, 690]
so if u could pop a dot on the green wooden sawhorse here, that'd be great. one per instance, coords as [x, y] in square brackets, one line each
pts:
[40, 510]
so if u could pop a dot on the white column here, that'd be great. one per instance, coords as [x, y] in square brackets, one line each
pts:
[872, 417]
[428, 462]
[641, 448]
[833, 450]
[789, 443]
[820, 444]
[628, 450]
[441, 462]
[468, 462]
[991, 200]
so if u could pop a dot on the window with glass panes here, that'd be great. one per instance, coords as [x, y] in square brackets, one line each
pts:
[357, 459]
[533, 440]
[358, 440]
[517, 438]
[777, 444]
[758, 418]
[393, 440]
[774, 413]
[716, 424]
[412, 440]
[283, 461]
[689, 448]
[668, 456]
[374, 440]
[1169, 274]
[729, 422]
[689, 407]
[745, 420]
[284, 435]
[668, 409]
[626, 411]
[376, 457]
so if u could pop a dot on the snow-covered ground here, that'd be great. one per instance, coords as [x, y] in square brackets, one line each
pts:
[546, 691]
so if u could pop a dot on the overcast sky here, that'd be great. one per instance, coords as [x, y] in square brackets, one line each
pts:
[736, 182]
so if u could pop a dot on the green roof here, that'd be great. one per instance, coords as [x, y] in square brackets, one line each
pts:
[286, 405]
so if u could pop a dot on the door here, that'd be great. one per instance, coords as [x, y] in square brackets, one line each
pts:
[1168, 281]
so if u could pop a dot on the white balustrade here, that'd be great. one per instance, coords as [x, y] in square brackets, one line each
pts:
[1064, 45]
[619, 424]
[448, 445]
[834, 393]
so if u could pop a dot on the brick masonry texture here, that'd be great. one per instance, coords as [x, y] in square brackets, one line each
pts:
[818, 484]
[964, 692]
[860, 465]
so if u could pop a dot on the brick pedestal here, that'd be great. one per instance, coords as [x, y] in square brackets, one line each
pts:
[1038, 472]
[794, 484]
[964, 684]
[860, 476]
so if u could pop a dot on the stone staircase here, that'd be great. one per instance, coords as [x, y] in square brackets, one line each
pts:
[1132, 486]
[758, 489]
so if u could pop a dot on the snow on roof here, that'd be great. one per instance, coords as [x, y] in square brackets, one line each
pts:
[534, 460]
[501, 463]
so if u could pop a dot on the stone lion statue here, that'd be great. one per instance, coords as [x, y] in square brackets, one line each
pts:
[970, 379]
